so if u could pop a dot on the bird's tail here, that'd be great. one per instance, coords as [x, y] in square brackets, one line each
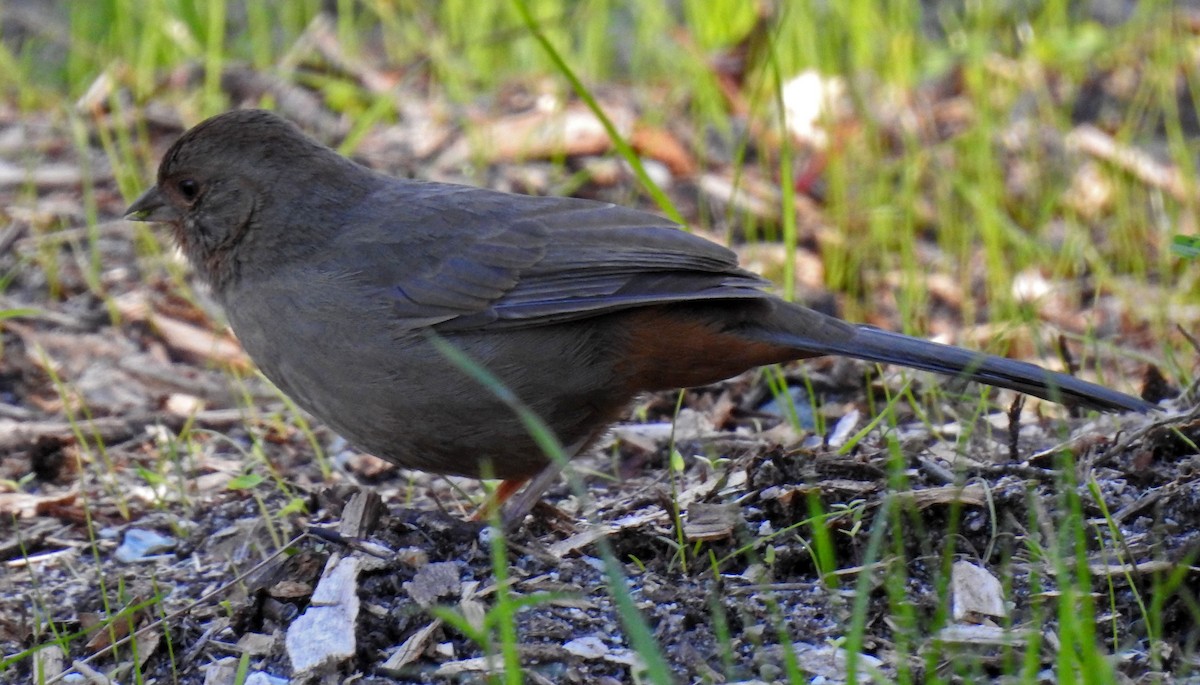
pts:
[876, 345]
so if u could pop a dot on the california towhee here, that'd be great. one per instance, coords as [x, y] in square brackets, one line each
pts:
[333, 275]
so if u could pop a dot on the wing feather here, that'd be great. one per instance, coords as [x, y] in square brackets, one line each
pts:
[463, 258]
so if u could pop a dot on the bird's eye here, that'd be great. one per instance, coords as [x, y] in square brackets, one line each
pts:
[188, 189]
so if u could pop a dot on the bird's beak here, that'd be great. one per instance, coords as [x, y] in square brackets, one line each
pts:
[151, 206]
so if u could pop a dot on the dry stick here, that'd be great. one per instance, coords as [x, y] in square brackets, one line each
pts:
[66, 322]
[88, 672]
[11, 235]
[322, 34]
[108, 229]
[1190, 338]
[1193, 387]
[1092, 141]
[1068, 359]
[1014, 428]
[109, 429]
[1127, 440]
[181, 611]
[1072, 366]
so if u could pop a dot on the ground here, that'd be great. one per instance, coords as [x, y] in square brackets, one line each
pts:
[950, 537]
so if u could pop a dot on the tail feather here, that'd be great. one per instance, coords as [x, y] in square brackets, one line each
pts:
[877, 345]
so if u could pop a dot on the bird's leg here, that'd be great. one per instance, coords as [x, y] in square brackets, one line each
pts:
[496, 499]
[514, 512]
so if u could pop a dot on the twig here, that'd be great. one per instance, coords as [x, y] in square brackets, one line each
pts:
[108, 429]
[1014, 428]
[1092, 141]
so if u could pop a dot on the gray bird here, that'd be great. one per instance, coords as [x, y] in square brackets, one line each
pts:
[333, 276]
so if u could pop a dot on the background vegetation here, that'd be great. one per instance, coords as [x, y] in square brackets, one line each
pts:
[951, 178]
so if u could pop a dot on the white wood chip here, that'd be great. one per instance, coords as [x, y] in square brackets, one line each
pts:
[324, 634]
[975, 593]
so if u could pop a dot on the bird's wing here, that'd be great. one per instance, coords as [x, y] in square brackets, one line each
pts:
[461, 258]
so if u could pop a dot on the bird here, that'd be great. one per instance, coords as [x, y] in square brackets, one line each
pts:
[343, 284]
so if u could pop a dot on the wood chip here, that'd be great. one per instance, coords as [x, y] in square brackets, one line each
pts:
[433, 582]
[324, 635]
[256, 644]
[486, 664]
[829, 663]
[593, 533]
[973, 495]
[975, 593]
[48, 661]
[411, 649]
[985, 635]
[710, 521]
[360, 516]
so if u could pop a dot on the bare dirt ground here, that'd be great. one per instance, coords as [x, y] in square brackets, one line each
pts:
[120, 417]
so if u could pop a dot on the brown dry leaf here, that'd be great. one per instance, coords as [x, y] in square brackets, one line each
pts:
[45, 176]
[484, 664]
[1092, 141]
[187, 338]
[148, 642]
[1054, 302]
[200, 343]
[847, 486]
[26, 505]
[546, 133]
[661, 145]
[322, 32]
[945, 288]
[368, 466]
[106, 635]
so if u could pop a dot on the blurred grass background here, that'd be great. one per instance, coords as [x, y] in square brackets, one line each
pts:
[1022, 71]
